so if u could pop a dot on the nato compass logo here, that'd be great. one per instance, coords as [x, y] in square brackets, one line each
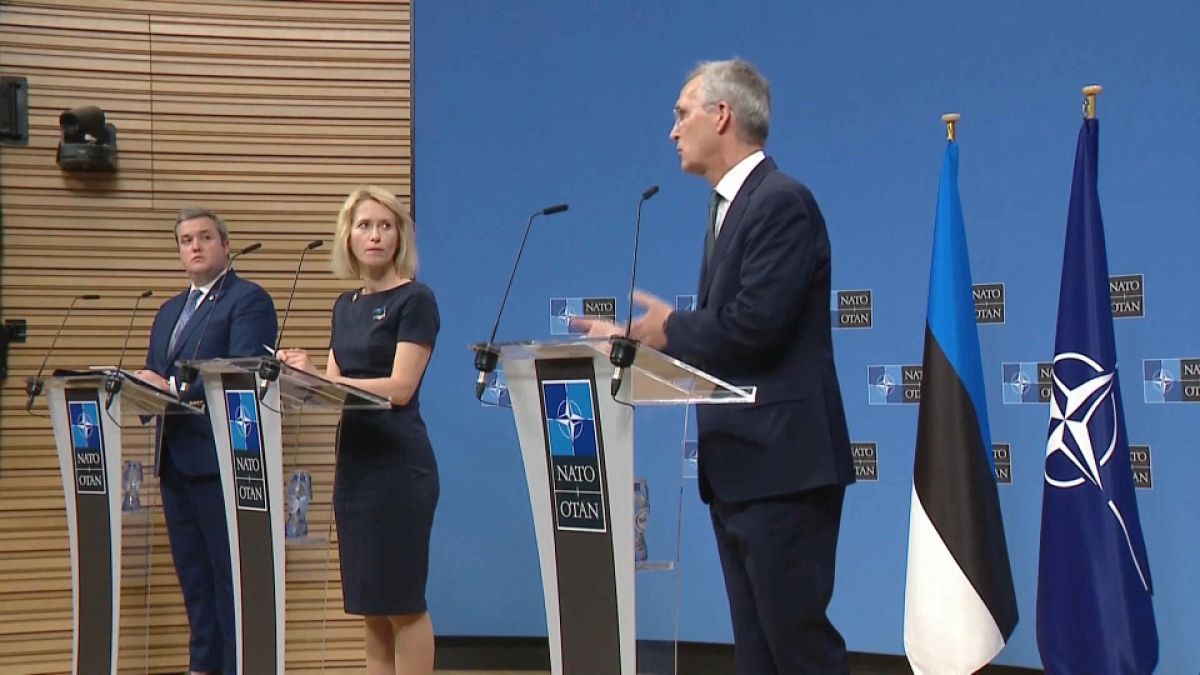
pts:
[1027, 381]
[563, 309]
[894, 385]
[685, 303]
[1139, 460]
[989, 302]
[1084, 431]
[1171, 380]
[577, 479]
[1002, 459]
[495, 390]
[88, 447]
[851, 309]
[691, 458]
[866, 460]
[1128, 294]
[245, 438]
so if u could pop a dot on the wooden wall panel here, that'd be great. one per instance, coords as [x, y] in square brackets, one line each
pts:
[270, 113]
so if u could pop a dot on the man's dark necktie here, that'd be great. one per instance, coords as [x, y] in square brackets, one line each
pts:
[710, 237]
[189, 308]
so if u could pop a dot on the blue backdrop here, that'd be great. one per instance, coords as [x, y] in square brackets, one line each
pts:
[523, 104]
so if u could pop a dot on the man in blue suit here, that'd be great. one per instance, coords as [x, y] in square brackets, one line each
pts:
[219, 315]
[774, 472]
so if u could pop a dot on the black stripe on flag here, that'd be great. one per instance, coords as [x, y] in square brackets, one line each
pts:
[954, 481]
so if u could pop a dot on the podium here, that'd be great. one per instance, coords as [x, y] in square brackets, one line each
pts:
[244, 397]
[577, 447]
[85, 414]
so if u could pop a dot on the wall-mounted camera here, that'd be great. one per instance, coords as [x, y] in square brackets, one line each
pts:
[88, 143]
[14, 111]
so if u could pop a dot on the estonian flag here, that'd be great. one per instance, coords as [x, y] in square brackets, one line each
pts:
[1094, 609]
[959, 604]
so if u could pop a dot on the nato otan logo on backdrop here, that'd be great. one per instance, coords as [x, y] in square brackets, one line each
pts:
[851, 309]
[894, 385]
[866, 460]
[87, 442]
[1002, 458]
[1128, 293]
[245, 438]
[563, 309]
[577, 474]
[691, 458]
[989, 302]
[1171, 380]
[495, 390]
[1027, 381]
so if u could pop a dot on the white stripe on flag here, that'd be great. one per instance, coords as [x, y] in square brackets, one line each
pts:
[947, 628]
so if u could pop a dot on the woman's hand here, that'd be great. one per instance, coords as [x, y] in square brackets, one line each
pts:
[298, 359]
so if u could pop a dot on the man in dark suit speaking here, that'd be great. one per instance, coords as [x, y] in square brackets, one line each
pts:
[773, 472]
[227, 316]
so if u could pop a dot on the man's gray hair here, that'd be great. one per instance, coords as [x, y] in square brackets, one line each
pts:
[192, 212]
[745, 90]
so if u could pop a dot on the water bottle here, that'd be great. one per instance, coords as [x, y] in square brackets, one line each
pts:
[131, 484]
[641, 513]
[299, 496]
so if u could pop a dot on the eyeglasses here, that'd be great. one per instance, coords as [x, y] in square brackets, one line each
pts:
[681, 115]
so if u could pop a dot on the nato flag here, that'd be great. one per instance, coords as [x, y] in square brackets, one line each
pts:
[1094, 609]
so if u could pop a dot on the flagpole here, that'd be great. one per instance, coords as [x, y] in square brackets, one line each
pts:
[952, 119]
[1089, 100]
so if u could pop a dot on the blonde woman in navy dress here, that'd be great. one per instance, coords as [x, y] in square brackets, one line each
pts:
[386, 479]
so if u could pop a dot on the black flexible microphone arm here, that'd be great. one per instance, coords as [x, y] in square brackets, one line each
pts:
[486, 356]
[187, 374]
[295, 279]
[624, 349]
[112, 385]
[268, 367]
[34, 385]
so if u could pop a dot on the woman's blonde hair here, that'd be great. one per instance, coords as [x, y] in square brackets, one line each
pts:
[345, 265]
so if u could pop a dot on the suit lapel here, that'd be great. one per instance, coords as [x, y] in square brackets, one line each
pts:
[184, 346]
[731, 223]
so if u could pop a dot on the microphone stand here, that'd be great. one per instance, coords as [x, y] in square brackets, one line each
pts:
[112, 384]
[34, 385]
[624, 348]
[487, 356]
[268, 367]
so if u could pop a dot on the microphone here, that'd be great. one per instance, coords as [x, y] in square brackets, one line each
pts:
[486, 356]
[624, 349]
[113, 384]
[35, 385]
[295, 279]
[187, 374]
[268, 368]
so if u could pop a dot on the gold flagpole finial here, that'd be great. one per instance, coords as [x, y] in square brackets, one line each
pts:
[1089, 100]
[951, 119]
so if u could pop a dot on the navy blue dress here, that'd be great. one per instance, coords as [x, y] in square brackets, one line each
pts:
[385, 479]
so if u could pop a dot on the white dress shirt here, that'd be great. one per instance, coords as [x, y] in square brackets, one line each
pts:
[731, 182]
